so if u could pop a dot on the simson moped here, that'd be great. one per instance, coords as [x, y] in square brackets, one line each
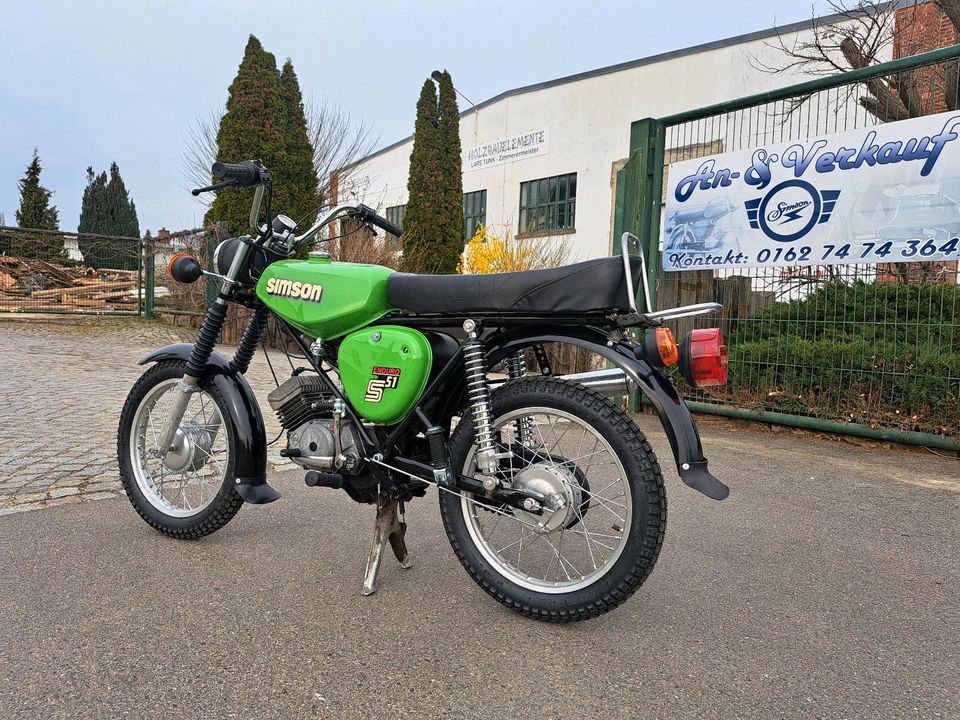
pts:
[550, 495]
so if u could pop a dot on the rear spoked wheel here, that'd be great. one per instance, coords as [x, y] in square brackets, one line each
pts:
[605, 515]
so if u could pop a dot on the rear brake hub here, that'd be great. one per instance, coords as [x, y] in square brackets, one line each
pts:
[560, 491]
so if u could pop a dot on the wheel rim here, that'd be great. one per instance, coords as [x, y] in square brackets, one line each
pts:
[584, 546]
[185, 482]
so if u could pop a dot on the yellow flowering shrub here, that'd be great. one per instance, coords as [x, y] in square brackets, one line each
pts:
[487, 253]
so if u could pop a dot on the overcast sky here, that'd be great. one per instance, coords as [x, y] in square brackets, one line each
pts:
[93, 82]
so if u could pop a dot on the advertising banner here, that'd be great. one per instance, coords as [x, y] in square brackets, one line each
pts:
[889, 193]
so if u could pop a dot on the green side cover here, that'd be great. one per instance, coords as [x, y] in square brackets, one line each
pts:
[324, 299]
[384, 370]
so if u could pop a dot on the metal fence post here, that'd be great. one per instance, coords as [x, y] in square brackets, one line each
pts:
[637, 204]
[647, 137]
[149, 280]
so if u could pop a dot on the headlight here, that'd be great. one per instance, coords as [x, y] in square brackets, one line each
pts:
[256, 260]
[224, 254]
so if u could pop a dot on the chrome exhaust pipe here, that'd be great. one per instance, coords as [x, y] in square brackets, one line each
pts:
[610, 383]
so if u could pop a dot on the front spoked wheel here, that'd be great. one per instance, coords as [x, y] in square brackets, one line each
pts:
[605, 515]
[186, 492]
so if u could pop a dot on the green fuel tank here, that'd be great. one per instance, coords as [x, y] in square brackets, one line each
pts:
[325, 299]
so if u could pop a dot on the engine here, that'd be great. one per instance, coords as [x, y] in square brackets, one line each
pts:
[317, 438]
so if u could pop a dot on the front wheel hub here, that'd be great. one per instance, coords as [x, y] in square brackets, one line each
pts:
[190, 448]
[560, 491]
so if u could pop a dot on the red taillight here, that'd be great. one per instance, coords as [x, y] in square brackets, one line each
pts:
[703, 358]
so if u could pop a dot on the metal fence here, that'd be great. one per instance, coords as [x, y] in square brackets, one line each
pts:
[870, 350]
[44, 271]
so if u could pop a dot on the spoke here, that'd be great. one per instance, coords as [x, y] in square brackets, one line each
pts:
[515, 542]
[602, 503]
[562, 560]
[586, 536]
[602, 499]
[520, 549]
[591, 538]
[600, 491]
[589, 454]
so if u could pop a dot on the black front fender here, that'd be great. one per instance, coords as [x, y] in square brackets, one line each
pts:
[250, 459]
[663, 396]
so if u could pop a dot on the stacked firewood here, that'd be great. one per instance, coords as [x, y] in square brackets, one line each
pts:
[36, 285]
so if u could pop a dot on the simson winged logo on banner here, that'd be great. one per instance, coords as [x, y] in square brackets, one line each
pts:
[889, 193]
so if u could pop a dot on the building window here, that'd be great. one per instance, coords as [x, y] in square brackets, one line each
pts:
[548, 204]
[474, 212]
[395, 214]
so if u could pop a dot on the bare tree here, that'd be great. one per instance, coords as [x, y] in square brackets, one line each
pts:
[339, 145]
[862, 33]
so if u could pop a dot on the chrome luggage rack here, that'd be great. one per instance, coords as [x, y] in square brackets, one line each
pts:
[613, 382]
[628, 240]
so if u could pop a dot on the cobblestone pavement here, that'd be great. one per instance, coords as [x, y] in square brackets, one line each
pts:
[63, 385]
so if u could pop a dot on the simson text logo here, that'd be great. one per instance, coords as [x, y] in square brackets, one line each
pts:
[296, 290]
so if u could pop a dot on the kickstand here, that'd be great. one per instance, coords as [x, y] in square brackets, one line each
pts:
[388, 527]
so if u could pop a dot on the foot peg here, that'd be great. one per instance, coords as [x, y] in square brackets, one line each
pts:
[388, 528]
[319, 479]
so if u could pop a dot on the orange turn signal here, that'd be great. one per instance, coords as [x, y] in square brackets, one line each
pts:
[667, 347]
[184, 268]
[176, 256]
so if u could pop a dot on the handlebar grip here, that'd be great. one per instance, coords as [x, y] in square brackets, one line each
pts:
[389, 227]
[369, 215]
[245, 173]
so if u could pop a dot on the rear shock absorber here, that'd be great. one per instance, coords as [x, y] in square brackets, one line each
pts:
[478, 392]
[517, 368]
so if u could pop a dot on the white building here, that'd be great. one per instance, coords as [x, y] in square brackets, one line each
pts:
[541, 159]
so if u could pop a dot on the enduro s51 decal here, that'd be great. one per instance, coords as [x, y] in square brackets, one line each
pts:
[384, 378]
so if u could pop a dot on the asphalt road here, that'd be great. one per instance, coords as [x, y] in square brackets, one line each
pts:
[827, 586]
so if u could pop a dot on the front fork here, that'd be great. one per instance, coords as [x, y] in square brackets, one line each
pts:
[200, 356]
[209, 332]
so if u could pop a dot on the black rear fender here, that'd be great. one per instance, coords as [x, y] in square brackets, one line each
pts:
[663, 396]
[250, 463]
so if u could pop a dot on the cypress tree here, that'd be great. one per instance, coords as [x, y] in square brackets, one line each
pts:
[424, 188]
[295, 179]
[93, 216]
[122, 213]
[107, 209]
[252, 127]
[36, 212]
[450, 211]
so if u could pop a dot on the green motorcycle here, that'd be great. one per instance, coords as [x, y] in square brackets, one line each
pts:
[550, 495]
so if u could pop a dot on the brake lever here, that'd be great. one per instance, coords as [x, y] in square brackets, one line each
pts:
[218, 186]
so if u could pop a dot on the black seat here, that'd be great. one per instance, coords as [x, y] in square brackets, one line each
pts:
[586, 287]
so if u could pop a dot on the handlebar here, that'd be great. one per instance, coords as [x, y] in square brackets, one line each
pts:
[368, 215]
[246, 174]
